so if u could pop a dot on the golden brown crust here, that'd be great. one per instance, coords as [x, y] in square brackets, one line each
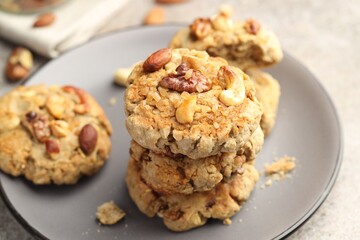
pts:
[45, 123]
[268, 93]
[183, 212]
[152, 118]
[246, 44]
[180, 174]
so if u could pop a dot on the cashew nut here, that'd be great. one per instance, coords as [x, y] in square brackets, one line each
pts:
[185, 112]
[235, 88]
[121, 75]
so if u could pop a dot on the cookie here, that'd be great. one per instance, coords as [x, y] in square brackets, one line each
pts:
[52, 134]
[183, 212]
[185, 102]
[246, 44]
[185, 175]
[268, 93]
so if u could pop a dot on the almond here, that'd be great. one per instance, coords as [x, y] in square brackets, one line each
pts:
[88, 139]
[157, 60]
[44, 20]
[155, 16]
[19, 64]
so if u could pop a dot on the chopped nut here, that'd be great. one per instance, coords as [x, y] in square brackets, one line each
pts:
[221, 22]
[178, 82]
[8, 121]
[185, 112]
[55, 105]
[41, 128]
[155, 16]
[193, 62]
[200, 28]
[109, 213]
[52, 146]
[44, 20]
[157, 60]
[84, 106]
[121, 75]
[59, 128]
[88, 139]
[227, 221]
[235, 89]
[19, 64]
[30, 116]
[252, 26]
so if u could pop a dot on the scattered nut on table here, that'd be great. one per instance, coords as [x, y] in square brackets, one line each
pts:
[155, 16]
[44, 20]
[121, 75]
[109, 213]
[19, 64]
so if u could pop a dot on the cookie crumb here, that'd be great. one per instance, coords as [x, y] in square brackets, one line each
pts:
[227, 221]
[281, 166]
[109, 213]
[268, 182]
[240, 220]
[112, 101]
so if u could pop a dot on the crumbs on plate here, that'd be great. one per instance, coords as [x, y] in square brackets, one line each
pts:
[278, 170]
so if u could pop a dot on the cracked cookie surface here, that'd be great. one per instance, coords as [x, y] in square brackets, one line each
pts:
[185, 175]
[246, 44]
[190, 113]
[52, 134]
[183, 212]
[268, 93]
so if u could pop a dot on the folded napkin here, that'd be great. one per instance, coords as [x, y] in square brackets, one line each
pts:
[76, 21]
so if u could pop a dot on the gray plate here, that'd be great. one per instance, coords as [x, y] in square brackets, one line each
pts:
[307, 128]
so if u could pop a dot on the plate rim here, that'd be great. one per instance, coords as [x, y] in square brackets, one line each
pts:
[287, 232]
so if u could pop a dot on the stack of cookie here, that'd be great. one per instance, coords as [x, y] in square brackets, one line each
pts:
[247, 45]
[195, 124]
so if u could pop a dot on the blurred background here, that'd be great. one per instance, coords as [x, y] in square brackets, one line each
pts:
[323, 35]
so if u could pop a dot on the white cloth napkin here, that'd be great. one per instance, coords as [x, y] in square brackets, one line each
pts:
[76, 21]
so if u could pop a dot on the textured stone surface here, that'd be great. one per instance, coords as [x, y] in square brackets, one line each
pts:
[325, 36]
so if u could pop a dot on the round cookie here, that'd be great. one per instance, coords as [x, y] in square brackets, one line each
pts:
[184, 175]
[182, 101]
[52, 134]
[183, 212]
[246, 44]
[268, 93]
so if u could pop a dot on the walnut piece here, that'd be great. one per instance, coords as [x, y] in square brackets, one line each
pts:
[186, 80]
[200, 28]
[40, 126]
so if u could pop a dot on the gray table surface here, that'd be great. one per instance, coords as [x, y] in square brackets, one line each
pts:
[325, 36]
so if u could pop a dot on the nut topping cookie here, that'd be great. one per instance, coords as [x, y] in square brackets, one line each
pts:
[185, 102]
[52, 134]
[184, 175]
[246, 44]
[268, 93]
[183, 212]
